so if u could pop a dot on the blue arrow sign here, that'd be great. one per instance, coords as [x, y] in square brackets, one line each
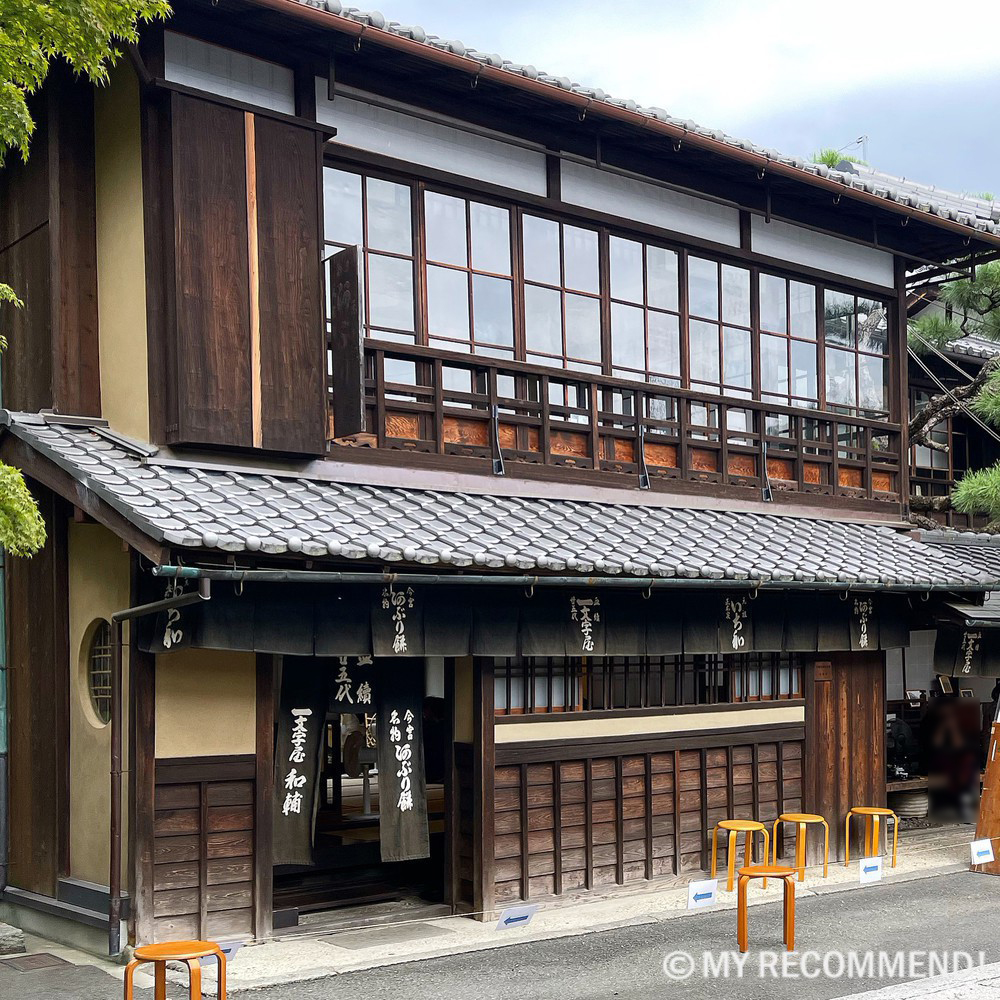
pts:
[517, 920]
[982, 854]
[870, 869]
[699, 896]
[516, 916]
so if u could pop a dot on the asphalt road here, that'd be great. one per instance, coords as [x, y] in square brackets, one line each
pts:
[944, 914]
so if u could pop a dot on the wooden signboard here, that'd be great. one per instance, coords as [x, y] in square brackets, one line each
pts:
[347, 344]
[301, 723]
[402, 785]
[988, 826]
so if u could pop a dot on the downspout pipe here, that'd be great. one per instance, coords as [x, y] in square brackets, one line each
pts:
[118, 619]
[484, 579]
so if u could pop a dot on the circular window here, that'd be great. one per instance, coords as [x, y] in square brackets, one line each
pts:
[99, 671]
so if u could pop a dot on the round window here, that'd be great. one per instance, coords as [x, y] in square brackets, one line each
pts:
[99, 671]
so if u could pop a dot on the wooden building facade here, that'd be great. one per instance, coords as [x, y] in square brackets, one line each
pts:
[547, 447]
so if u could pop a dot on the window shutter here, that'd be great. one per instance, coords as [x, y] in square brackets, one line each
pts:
[248, 353]
[346, 344]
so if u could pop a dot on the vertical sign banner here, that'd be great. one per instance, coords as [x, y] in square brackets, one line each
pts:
[402, 785]
[301, 725]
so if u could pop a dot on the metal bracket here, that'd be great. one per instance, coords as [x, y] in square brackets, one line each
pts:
[498, 466]
[641, 458]
[765, 492]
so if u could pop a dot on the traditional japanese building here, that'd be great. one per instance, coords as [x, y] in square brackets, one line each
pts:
[518, 478]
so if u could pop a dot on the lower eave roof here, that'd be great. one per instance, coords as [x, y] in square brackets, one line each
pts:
[235, 510]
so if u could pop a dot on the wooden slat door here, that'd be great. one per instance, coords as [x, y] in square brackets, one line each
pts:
[203, 847]
[845, 743]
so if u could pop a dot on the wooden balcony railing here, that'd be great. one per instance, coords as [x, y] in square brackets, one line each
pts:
[422, 400]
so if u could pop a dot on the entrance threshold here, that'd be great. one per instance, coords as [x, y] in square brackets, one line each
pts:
[360, 915]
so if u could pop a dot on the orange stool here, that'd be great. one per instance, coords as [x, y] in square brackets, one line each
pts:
[189, 952]
[801, 820]
[787, 875]
[872, 815]
[736, 827]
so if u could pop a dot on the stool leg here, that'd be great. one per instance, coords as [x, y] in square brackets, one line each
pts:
[800, 851]
[826, 848]
[789, 914]
[160, 989]
[731, 859]
[748, 847]
[130, 978]
[774, 840]
[767, 849]
[847, 839]
[221, 956]
[868, 837]
[876, 838]
[715, 848]
[895, 837]
[194, 972]
[742, 936]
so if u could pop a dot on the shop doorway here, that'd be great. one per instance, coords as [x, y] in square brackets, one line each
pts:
[351, 882]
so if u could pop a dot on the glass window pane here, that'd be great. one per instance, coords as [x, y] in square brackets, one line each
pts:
[873, 327]
[803, 301]
[447, 303]
[492, 311]
[704, 343]
[873, 383]
[490, 227]
[541, 249]
[342, 207]
[389, 222]
[838, 318]
[703, 288]
[580, 250]
[773, 308]
[664, 344]
[445, 225]
[774, 364]
[390, 292]
[626, 269]
[736, 356]
[628, 348]
[803, 370]
[583, 327]
[840, 388]
[543, 320]
[661, 278]
[735, 295]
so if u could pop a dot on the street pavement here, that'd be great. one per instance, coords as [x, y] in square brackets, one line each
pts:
[944, 914]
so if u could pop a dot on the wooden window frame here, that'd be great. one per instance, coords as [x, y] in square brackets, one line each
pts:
[519, 207]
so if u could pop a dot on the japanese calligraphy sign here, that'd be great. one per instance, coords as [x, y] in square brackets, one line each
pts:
[397, 622]
[301, 720]
[352, 685]
[864, 624]
[402, 784]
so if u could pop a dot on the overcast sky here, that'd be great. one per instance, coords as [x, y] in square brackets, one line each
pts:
[921, 79]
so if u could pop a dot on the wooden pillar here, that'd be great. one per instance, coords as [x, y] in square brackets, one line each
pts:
[263, 853]
[142, 780]
[484, 763]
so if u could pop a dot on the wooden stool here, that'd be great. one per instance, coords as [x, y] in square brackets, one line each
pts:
[189, 952]
[872, 815]
[787, 875]
[801, 820]
[736, 827]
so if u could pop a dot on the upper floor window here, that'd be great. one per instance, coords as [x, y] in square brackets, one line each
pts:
[856, 334]
[464, 274]
[562, 294]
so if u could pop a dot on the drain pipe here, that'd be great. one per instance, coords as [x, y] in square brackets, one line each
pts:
[4, 781]
[203, 593]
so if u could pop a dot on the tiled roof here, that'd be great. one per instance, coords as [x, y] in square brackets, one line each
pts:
[971, 547]
[236, 510]
[974, 347]
[974, 213]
